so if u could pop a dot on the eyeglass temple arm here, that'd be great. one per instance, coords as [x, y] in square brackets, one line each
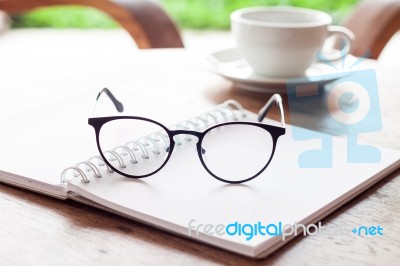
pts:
[118, 105]
[276, 98]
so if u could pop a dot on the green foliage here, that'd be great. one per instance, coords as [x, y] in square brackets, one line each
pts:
[197, 14]
[215, 13]
[64, 17]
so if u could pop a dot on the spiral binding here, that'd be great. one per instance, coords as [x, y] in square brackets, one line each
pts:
[229, 110]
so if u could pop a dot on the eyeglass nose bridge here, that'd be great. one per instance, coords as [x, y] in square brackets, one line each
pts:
[188, 133]
[185, 132]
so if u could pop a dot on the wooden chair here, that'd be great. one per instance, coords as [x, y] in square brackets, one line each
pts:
[145, 21]
[373, 22]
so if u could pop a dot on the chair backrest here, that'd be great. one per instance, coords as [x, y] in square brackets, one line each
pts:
[373, 22]
[145, 21]
[4, 22]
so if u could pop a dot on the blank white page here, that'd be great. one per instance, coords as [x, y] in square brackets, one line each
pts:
[183, 191]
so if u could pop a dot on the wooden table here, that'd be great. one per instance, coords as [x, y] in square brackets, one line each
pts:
[39, 230]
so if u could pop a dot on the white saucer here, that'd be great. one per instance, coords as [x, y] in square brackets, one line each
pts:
[229, 64]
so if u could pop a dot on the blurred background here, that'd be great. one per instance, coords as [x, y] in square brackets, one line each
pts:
[189, 14]
[203, 25]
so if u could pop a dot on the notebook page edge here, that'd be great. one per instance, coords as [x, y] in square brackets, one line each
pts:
[265, 249]
[54, 190]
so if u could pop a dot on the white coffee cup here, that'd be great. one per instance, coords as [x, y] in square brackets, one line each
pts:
[284, 41]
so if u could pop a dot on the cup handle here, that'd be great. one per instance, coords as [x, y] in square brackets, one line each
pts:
[347, 38]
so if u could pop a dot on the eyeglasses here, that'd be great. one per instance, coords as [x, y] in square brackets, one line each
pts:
[138, 147]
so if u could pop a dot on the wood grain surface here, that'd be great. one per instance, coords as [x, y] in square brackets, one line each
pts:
[38, 230]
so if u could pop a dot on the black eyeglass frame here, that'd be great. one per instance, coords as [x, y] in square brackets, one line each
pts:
[275, 132]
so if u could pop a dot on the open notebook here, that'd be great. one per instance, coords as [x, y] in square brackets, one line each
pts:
[36, 148]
